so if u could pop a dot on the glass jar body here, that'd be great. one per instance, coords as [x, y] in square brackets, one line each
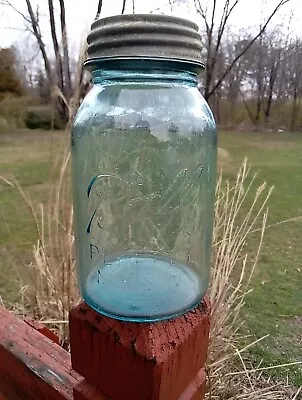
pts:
[144, 171]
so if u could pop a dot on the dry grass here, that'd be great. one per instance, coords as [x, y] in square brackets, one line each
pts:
[230, 375]
[49, 289]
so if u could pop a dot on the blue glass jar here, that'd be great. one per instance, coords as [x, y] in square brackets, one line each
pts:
[144, 171]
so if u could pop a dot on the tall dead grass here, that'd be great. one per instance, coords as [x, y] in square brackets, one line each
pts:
[240, 210]
[49, 287]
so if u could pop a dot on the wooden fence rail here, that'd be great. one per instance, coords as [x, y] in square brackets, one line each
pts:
[110, 360]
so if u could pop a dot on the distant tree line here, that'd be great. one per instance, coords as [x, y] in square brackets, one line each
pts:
[249, 80]
[264, 87]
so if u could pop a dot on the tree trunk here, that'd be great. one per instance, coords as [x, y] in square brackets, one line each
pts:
[208, 81]
[247, 108]
[232, 109]
[294, 112]
[59, 68]
[37, 33]
[218, 116]
[211, 84]
[258, 108]
[66, 64]
[123, 7]
[272, 80]
[259, 80]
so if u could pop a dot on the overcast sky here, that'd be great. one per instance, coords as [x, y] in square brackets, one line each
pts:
[80, 14]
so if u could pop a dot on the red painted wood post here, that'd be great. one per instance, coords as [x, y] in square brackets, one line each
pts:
[33, 367]
[147, 361]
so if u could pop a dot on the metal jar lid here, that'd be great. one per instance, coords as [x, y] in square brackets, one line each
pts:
[144, 36]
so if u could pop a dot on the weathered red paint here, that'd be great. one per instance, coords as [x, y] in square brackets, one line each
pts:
[120, 361]
[197, 388]
[84, 391]
[32, 367]
[42, 329]
[129, 361]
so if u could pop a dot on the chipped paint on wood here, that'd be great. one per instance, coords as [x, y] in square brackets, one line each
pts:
[32, 366]
[126, 361]
[153, 361]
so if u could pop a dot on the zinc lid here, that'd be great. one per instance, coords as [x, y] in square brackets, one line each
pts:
[144, 36]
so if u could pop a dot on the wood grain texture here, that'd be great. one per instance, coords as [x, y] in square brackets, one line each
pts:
[84, 391]
[32, 367]
[129, 361]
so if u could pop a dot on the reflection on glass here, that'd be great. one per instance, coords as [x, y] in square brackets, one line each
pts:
[144, 161]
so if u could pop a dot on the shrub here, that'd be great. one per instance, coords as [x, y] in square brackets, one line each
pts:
[13, 111]
[4, 124]
[42, 117]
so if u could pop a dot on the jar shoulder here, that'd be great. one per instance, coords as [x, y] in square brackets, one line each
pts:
[154, 107]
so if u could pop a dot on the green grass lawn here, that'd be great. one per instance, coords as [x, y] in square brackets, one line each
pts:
[274, 306]
[25, 156]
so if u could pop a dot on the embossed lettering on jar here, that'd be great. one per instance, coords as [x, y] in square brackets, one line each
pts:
[144, 170]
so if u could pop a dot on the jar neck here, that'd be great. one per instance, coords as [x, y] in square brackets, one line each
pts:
[151, 72]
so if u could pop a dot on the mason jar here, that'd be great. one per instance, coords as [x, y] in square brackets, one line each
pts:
[144, 170]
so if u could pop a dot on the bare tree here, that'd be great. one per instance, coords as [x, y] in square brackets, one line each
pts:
[238, 74]
[81, 82]
[59, 67]
[66, 61]
[274, 59]
[62, 76]
[260, 77]
[215, 33]
[264, 75]
[295, 79]
[35, 29]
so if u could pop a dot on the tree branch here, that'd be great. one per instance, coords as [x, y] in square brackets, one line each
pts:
[213, 15]
[8, 3]
[170, 2]
[123, 6]
[14, 29]
[218, 83]
[224, 19]
[36, 32]
[232, 8]
[99, 9]
[201, 12]
[247, 107]
[66, 66]
[59, 68]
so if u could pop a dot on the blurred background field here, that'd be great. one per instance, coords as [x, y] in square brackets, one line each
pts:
[253, 83]
[275, 304]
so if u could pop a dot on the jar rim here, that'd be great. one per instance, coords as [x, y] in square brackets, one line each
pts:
[92, 64]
